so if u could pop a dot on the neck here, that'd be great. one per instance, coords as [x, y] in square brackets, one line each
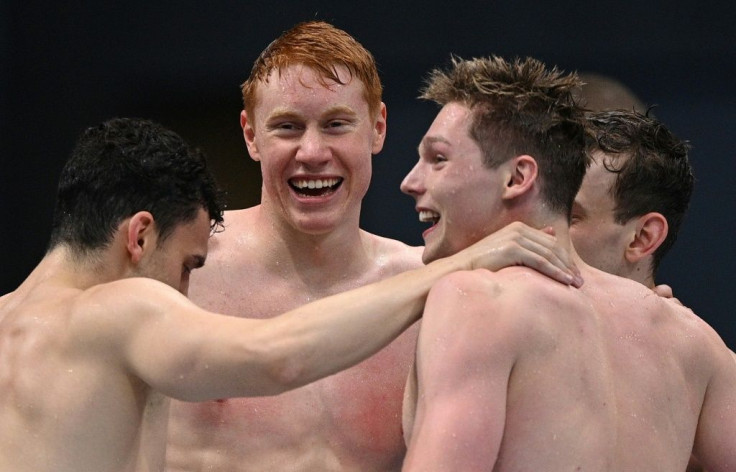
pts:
[319, 256]
[641, 272]
[61, 267]
[542, 219]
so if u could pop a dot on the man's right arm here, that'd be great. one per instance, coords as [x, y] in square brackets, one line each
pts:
[190, 354]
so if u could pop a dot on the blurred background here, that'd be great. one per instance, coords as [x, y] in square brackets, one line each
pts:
[70, 65]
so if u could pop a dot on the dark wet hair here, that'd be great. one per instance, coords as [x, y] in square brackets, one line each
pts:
[127, 165]
[652, 167]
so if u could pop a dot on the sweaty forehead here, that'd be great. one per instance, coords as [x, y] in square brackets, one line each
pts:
[299, 92]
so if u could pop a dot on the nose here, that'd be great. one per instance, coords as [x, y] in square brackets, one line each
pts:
[313, 150]
[413, 183]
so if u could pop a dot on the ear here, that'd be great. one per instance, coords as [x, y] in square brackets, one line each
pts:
[521, 175]
[379, 130]
[249, 134]
[651, 231]
[141, 235]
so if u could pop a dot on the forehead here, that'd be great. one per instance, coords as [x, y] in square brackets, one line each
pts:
[597, 174]
[450, 127]
[192, 236]
[453, 117]
[300, 85]
[598, 181]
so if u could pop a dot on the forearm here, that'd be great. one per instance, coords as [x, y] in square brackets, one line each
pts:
[337, 332]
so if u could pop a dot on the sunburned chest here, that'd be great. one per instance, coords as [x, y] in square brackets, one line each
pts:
[249, 290]
[357, 409]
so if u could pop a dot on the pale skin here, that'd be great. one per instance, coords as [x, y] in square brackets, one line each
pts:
[540, 376]
[624, 249]
[292, 249]
[92, 346]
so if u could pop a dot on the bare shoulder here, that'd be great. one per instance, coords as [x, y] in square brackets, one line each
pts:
[239, 227]
[497, 315]
[106, 312]
[393, 255]
[504, 296]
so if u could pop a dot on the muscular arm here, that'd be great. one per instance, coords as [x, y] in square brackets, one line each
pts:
[715, 440]
[464, 358]
[191, 354]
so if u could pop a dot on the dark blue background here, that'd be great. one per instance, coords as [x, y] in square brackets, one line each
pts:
[66, 66]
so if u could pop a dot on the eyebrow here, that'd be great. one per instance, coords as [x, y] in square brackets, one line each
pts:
[282, 112]
[429, 140]
[339, 109]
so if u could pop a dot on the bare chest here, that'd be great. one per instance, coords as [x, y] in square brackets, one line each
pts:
[348, 421]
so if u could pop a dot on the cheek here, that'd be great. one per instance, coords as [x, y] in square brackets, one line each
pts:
[597, 244]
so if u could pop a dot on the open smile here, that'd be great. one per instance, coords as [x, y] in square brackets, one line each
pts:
[315, 187]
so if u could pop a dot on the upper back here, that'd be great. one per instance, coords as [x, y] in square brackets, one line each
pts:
[606, 377]
[614, 374]
[57, 386]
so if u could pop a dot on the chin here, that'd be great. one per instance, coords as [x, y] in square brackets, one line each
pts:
[432, 254]
[315, 224]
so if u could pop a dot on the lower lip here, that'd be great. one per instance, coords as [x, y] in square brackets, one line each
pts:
[428, 231]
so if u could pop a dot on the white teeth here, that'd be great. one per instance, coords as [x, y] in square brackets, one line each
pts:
[319, 183]
[428, 216]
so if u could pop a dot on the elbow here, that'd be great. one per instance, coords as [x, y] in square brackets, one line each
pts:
[281, 369]
[287, 372]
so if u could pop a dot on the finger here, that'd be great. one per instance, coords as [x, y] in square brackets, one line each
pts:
[557, 255]
[551, 261]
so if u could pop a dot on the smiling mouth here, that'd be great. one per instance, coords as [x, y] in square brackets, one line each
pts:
[427, 216]
[315, 187]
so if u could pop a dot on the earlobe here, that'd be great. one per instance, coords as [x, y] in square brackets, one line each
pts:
[379, 130]
[522, 175]
[651, 231]
[249, 134]
[141, 233]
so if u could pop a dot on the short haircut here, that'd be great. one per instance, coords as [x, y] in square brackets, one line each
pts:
[322, 47]
[653, 173]
[127, 165]
[521, 107]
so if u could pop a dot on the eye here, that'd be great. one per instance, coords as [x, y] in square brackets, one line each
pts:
[283, 127]
[286, 126]
[337, 126]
